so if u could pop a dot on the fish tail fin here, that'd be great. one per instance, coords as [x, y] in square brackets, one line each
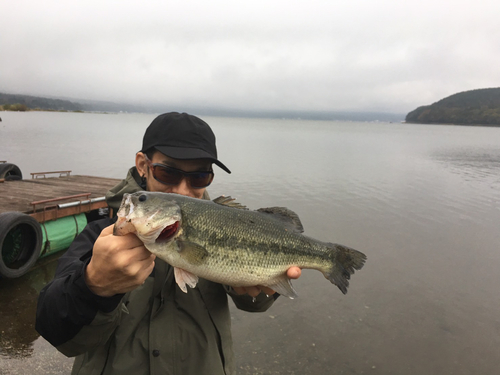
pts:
[344, 261]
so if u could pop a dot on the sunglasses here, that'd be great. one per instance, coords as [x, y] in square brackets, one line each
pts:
[173, 176]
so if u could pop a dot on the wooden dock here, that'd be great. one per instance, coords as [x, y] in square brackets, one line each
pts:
[37, 196]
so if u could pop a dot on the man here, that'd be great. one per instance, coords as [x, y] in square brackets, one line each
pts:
[116, 307]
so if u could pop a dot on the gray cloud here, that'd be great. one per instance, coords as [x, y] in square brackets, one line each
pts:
[317, 55]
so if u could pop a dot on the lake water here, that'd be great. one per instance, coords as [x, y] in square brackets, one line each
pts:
[421, 201]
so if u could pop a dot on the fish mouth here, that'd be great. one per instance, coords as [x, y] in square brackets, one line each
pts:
[168, 232]
[123, 226]
[123, 223]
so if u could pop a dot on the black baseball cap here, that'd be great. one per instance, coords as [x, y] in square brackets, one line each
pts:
[181, 136]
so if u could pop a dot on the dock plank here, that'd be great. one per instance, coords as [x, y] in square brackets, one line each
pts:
[17, 195]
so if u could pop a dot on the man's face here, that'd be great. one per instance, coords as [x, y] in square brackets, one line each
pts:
[183, 187]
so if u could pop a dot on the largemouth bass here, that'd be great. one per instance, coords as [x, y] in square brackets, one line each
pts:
[223, 241]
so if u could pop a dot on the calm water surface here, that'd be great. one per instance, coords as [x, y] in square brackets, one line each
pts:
[422, 201]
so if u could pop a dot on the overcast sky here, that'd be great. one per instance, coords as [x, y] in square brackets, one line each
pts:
[369, 55]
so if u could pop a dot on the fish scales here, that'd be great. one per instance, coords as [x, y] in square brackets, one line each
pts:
[263, 244]
[256, 227]
[223, 242]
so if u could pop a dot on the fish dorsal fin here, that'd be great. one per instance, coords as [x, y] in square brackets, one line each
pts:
[289, 218]
[229, 202]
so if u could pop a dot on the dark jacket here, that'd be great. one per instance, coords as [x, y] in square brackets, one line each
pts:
[155, 329]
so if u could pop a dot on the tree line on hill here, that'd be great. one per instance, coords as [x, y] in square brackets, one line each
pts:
[11, 102]
[475, 107]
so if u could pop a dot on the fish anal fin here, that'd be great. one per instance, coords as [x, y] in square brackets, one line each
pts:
[229, 202]
[284, 287]
[183, 278]
[289, 218]
[192, 253]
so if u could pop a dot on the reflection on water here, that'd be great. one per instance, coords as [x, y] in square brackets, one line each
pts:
[22, 350]
[18, 307]
[473, 163]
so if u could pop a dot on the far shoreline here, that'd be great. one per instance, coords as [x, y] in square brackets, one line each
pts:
[55, 110]
[452, 124]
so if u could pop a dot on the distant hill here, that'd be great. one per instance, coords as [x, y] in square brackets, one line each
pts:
[68, 104]
[35, 102]
[29, 102]
[475, 107]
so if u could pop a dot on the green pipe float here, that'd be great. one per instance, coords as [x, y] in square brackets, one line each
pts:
[58, 234]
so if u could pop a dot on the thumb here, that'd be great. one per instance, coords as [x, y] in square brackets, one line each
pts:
[294, 272]
[108, 230]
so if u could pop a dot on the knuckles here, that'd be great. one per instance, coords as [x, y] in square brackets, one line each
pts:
[122, 262]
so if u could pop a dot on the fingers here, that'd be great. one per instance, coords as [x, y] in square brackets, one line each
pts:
[111, 243]
[250, 290]
[253, 291]
[267, 291]
[239, 290]
[108, 230]
[119, 263]
[139, 271]
[134, 265]
[140, 254]
[127, 238]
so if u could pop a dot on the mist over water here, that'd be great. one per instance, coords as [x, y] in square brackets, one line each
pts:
[421, 201]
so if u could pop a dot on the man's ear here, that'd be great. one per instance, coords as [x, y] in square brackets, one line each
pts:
[141, 164]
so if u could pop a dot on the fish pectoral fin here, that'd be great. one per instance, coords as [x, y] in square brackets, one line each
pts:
[284, 287]
[183, 278]
[287, 217]
[192, 252]
[229, 202]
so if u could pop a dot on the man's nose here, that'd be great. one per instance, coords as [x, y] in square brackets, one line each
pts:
[183, 188]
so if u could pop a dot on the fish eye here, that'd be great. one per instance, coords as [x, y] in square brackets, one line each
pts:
[143, 198]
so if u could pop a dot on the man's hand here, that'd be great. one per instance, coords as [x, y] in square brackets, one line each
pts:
[254, 291]
[119, 264]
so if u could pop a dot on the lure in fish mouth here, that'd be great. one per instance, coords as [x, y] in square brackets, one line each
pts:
[150, 221]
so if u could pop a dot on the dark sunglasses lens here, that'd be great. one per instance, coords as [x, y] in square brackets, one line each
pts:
[171, 176]
[200, 179]
[166, 175]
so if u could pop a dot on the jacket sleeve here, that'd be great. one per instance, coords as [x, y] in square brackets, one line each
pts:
[66, 305]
